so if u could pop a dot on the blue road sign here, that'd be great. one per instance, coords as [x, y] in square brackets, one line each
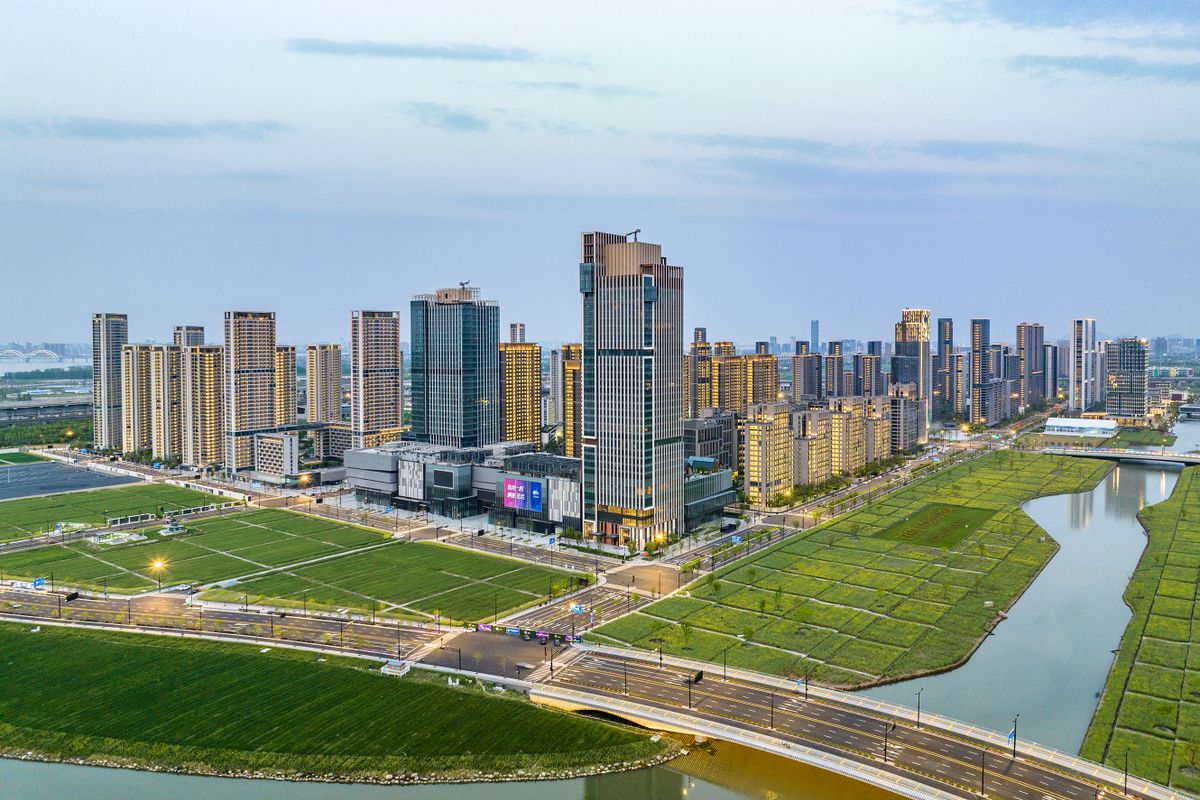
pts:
[577, 608]
[387, 510]
[736, 540]
[551, 540]
[39, 583]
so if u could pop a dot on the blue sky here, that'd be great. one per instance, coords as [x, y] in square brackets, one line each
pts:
[838, 160]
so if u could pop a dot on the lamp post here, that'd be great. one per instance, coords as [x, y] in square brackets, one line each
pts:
[157, 566]
[1126, 789]
[1014, 736]
[625, 671]
[919, 707]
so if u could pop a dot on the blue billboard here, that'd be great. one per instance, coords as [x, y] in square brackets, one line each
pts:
[522, 494]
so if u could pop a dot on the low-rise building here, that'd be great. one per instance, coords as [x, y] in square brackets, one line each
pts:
[276, 456]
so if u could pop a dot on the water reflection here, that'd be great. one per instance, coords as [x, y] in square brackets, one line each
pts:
[715, 771]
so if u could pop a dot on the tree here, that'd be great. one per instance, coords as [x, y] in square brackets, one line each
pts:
[685, 629]
[762, 606]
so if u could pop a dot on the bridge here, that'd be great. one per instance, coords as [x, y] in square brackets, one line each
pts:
[1117, 454]
[35, 355]
[1189, 410]
[896, 748]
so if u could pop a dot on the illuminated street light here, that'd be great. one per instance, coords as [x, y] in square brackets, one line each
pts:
[158, 567]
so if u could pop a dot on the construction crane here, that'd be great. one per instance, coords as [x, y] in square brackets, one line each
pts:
[633, 234]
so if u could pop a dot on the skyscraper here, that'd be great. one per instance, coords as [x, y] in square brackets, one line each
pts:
[806, 378]
[189, 335]
[701, 375]
[1031, 357]
[814, 336]
[136, 397]
[516, 332]
[943, 396]
[110, 333]
[868, 375]
[323, 383]
[1126, 377]
[521, 379]
[376, 378]
[769, 469]
[456, 368]
[1082, 364]
[285, 385]
[203, 422]
[249, 375]
[632, 400]
[911, 362]
[1050, 360]
[572, 390]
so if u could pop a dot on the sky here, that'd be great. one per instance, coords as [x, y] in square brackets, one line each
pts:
[835, 160]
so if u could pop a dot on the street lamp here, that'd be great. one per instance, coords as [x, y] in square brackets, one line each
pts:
[919, 707]
[158, 566]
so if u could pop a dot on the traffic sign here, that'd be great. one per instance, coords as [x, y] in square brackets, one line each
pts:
[736, 540]
[577, 608]
[39, 583]
[551, 540]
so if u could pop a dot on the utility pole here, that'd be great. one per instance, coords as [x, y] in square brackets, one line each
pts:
[982, 770]
[772, 711]
[625, 669]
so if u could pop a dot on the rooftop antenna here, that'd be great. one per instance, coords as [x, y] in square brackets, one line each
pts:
[633, 234]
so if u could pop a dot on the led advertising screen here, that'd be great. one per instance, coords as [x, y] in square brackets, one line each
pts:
[522, 494]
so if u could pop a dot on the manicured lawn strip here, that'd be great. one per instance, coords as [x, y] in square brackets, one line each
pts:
[896, 589]
[1150, 705]
[19, 458]
[215, 707]
[30, 515]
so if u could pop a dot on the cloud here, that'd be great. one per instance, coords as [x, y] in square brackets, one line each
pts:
[966, 150]
[599, 90]
[1189, 147]
[122, 130]
[447, 52]
[436, 115]
[1068, 13]
[1119, 67]
[779, 144]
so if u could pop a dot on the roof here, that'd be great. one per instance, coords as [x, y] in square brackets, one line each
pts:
[1098, 425]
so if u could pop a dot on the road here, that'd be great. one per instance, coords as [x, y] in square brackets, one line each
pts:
[936, 757]
[171, 611]
[599, 604]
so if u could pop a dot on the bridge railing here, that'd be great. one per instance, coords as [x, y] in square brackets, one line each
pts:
[980, 735]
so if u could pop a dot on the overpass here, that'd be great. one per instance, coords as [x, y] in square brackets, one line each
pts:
[1118, 454]
[914, 755]
[1189, 410]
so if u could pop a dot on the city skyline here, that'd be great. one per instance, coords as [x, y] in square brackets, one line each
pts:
[395, 147]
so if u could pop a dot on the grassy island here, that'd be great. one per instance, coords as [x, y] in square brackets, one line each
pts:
[1150, 707]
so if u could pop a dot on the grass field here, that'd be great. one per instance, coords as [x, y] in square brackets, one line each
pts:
[19, 458]
[21, 518]
[1141, 437]
[285, 558]
[214, 707]
[896, 589]
[1150, 706]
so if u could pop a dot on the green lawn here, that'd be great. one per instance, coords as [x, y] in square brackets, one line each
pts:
[19, 458]
[22, 517]
[215, 707]
[898, 588]
[1150, 706]
[1141, 437]
[268, 548]
[937, 525]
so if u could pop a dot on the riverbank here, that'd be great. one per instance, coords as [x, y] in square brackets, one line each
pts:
[1150, 706]
[205, 708]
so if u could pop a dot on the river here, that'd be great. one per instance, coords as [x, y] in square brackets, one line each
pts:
[1047, 661]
